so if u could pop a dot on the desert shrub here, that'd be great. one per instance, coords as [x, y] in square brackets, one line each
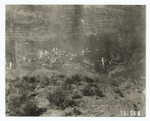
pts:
[28, 79]
[118, 91]
[53, 80]
[76, 112]
[11, 81]
[88, 79]
[114, 83]
[70, 103]
[17, 101]
[42, 84]
[97, 80]
[69, 81]
[135, 107]
[128, 86]
[25, 78]
[44, 81]
[16, 79]
[30, 109]
[33, 80]
[8, 90]
[66, 86]
[25, 83]
[92, 90]
[76, 95]
[76, 79]
[102, 81]
[93, 85]
[60, 98]
[7, 80]
[68, 114]
[21, 86]
[88, 91]
[61, 76]
[20, 106]
[99, 93]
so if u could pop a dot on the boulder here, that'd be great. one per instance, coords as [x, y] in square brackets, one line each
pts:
[41, 73]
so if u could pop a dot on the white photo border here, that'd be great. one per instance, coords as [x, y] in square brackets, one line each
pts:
[95, 2]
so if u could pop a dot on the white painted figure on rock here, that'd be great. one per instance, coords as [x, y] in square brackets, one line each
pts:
[10, 65]
[40, 54]
[103, 62]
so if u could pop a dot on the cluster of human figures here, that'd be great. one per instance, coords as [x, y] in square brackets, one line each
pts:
[42, 53]
[104, 62]
[48, 56]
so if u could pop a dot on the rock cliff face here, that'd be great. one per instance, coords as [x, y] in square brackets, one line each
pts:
[137, 64]
[70, 27]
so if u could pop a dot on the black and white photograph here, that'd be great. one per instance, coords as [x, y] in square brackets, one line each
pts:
[76, 60]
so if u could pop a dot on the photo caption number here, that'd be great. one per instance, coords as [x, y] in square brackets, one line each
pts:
[130, 113]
